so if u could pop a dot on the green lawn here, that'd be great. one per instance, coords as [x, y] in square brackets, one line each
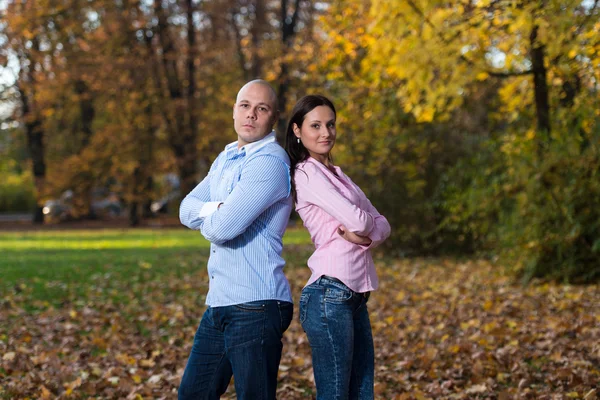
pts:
[55, 267]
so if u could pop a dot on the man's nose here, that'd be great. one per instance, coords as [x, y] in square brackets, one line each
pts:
[251, 114]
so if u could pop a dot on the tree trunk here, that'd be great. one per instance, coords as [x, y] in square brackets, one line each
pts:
[35, 145]
[188, 168]
[134, 215]
[87, 111]
[284, 84]
[239, 47]
[146, 211]
[288, 29]
[540, 83]
[179, 109]
[86, 108]
[142, 175]
[258, 27]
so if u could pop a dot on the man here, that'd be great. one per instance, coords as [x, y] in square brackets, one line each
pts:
[242, 207]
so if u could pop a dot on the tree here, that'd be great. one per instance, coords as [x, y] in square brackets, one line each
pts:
[440, 49]
[22, 42]
[177, 83]
[525, 185]
[288, 23]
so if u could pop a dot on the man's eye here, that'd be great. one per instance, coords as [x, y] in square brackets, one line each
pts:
[262, 109]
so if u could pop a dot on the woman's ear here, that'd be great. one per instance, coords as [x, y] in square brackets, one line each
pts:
[296, 130]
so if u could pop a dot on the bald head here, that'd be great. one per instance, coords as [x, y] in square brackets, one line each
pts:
[254, 112]
[266, 85]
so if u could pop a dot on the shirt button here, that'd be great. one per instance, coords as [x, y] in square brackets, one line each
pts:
[214, 251]
[212, 277]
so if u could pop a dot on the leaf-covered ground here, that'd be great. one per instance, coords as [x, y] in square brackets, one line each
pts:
[116, 317]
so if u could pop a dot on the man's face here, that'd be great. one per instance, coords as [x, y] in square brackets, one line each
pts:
[254, 113]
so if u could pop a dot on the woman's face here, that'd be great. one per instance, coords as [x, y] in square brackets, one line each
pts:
[317, 132]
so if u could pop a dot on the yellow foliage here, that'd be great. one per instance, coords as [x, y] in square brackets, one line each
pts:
[573, 53]
[410, 47]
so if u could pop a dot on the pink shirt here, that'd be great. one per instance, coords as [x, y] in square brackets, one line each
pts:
[326, 201]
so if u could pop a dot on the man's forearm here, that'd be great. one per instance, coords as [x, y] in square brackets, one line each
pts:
[253, 194]
[189, 212]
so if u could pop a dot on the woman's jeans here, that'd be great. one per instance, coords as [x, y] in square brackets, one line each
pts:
[336, 321]
[243, 340]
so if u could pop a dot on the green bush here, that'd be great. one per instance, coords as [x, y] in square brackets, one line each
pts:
[16, 192]
[535, 200]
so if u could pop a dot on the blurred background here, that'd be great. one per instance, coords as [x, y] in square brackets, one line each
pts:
[473, 125]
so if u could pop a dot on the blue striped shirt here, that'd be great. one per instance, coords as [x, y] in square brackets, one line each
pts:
[253, 184]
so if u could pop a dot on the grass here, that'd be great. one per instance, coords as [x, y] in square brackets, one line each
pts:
[58, 267]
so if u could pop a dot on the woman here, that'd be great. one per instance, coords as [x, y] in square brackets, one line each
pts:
[344, 226]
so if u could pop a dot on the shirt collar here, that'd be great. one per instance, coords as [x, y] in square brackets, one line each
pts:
[250, 147]
[323, 167]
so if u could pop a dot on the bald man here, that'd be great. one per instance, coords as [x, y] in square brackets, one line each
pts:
[242, 207]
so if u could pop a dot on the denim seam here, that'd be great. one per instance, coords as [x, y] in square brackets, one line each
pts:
[248, 343]
[261, 361]
[281, 317]
[213, 382]
[338, 300]
[243, 307]
[322, 303]
[335, 360]
[363, 302]
[302, 307]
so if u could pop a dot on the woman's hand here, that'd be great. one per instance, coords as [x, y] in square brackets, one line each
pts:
[353, 237]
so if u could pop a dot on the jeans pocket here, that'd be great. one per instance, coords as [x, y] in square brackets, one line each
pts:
[253, 306]
[337, 295]
[303, 306]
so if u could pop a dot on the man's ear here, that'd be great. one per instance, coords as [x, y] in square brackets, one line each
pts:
[275, 117]
[233, 111]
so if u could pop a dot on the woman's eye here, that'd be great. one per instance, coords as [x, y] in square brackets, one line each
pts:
[316, 126]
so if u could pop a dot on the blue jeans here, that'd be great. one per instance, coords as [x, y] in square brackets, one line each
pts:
[336, 321]
[243, 340]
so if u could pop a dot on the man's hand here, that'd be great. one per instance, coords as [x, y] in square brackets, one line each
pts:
[353, 237]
